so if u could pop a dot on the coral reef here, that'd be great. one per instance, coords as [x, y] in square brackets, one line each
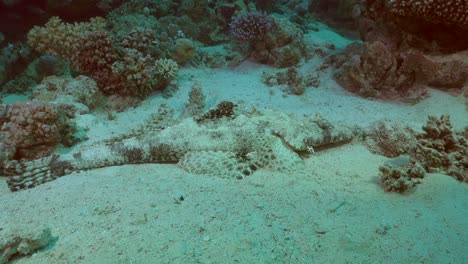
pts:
[437, 150]
[442, 150]
[80, 93]
[374, 73]
[250, 26]
[203, 21]
[446, 12]
[420, 26]
[133, 75]
[408, 46]
[122, 66]
[401, 174]
[398, 61]
[40, 67]
[378, 71]
[30, 130]
[282, 46]
[62, 39]
[341, 14]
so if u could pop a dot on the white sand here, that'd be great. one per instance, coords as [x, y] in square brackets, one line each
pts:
[333, 212]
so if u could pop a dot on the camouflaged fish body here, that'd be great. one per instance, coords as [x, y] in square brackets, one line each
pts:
[228, 148]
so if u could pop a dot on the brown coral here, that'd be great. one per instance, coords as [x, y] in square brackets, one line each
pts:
[380, 71]
[34, 128]
[375, 73]
[136, 74]
[143, 40]
[447, 12]
[61, 39]
[282, 46]
[125, 67]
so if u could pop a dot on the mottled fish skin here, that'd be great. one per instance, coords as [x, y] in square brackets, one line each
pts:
[154, 147]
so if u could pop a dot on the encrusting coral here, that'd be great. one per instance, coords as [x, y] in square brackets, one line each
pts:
[274, 39]
[401, 53]
[447, 12]
[376, 70]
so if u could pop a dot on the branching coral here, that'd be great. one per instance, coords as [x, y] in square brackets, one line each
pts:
[442, 150]
[401, 174]
[135, 72]
[166, 69]
[62, 39]
[250, 26]
[95, 58]
[144, 40]
[126, 66]
[438, 150]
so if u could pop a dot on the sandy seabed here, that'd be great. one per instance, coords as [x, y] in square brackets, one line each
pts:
[332, 212]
